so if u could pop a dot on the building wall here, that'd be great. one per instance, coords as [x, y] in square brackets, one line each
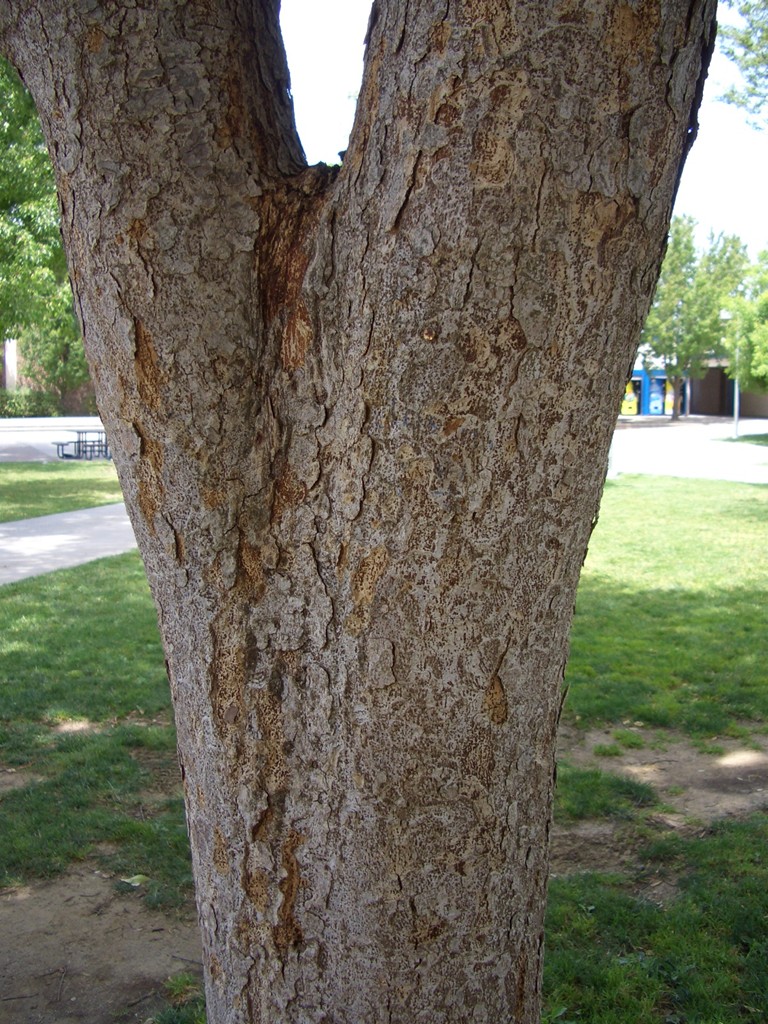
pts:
[713, 396]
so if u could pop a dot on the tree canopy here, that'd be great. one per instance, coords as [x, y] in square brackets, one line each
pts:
[684, 327]
[747, 45]
[35, 294]
[746, 336]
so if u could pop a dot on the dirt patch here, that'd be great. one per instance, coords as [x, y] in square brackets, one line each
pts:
[697, 788]
[11, 778]
[697, 785]
[74, 951]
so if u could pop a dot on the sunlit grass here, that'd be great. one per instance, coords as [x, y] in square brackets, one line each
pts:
[29, 489]
[670, 631]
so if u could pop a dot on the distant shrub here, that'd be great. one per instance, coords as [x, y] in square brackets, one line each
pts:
[26, 402]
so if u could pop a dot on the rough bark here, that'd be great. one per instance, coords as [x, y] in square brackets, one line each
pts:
[361, 418]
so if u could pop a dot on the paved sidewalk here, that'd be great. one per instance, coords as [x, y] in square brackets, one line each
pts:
[696, 446]
[31, 547]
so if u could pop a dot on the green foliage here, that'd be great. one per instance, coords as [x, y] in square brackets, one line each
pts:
[29, 489]
[25, 402]
[684, 326]
[35, 295]
[746, 337]
[747, 45]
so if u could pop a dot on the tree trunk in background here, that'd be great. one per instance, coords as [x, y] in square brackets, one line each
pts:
[677, 390]
[362, 419]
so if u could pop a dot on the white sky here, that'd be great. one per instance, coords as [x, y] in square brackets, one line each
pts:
[724, 182]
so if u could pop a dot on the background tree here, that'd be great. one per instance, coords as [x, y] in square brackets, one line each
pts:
[747, 45]
[746, 330]
[36, 304]
[684, 328]
[361, 418]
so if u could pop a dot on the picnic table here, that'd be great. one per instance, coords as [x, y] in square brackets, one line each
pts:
[89, 444]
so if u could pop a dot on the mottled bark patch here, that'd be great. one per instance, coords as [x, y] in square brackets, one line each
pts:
[256, 885]
[477, 758]
[272, 748]
[253, 566]
[150, 488]
[228, 671]
[364, 582]
[289, 492]
[220, 858]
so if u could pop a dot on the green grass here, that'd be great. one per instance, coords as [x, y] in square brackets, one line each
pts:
[614, 958]
[29, 489]
[670, 632]
[186, 1004]
[670, 617]
[79, 649]
[589, 793]
[751, 439]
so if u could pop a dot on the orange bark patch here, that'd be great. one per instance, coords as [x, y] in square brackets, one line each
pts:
[220, 858]
[213, 497]
[289, 493]
[275, 769]
[287, 933]
[364, 582]
[288, 221]
[150, 488]
[368, 574]
[94, 39]
[148, 376]
[256, 885]
[452, 424]
[495, 702]
[297, 337]
[253, 566]
[228, 671]
[235, 117]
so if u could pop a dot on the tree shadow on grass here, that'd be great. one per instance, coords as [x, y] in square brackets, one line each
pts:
[669, 657]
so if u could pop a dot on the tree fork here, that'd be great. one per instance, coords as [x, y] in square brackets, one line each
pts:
[361, 419]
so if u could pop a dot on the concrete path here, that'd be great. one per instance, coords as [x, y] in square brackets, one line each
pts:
[700, 447]
[31, 547]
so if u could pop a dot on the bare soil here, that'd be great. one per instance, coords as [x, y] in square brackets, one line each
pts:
[75, 951]
[696, 787]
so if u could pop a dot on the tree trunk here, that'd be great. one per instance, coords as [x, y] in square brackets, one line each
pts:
[677, 391]
[362, 418]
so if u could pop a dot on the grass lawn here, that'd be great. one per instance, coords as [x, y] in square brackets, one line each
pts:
[29, 489]
[670, 625]
[669, 630]
[752, 439]
[85, 718]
